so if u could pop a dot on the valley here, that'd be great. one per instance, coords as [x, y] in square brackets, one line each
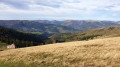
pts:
[59, 33]
[41, 44]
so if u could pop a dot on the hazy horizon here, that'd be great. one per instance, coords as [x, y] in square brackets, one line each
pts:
[59, 20]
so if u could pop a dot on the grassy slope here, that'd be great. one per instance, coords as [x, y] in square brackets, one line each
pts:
[103, 31]
[93, 53]
[110, 31]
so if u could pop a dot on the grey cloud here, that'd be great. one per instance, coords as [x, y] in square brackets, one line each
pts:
[15, 4]
[54, 4]
[109, 7]
[24, 4]
[50, 5]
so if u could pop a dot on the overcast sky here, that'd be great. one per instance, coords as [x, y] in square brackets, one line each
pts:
[60, 10]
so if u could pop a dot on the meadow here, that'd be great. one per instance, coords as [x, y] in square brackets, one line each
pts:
[102, 52]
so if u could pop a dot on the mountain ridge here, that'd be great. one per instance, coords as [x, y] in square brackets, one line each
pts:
[57, 26]
[31, 26]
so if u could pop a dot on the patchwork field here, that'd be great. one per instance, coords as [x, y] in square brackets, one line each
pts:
[93, 53]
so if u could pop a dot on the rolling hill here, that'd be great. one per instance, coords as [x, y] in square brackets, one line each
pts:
[93, 53]
[87, 34]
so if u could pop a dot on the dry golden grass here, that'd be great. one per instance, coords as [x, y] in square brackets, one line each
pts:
[93, 53]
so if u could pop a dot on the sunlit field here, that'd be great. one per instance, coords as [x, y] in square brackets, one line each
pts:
[93, 53]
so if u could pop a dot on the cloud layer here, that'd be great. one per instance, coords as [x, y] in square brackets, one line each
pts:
[60, 9]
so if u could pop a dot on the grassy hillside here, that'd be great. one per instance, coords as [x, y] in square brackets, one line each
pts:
[88, 34]
[93, 53]
[20, 39]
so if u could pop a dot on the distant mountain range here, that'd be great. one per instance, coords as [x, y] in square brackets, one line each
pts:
[84, 24]
[35, 27]
[52, 27]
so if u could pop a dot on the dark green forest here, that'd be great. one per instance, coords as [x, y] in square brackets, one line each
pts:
[20, 39]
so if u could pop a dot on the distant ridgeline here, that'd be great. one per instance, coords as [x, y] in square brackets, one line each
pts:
[20, 39]
[48, 28]
[35, 27]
